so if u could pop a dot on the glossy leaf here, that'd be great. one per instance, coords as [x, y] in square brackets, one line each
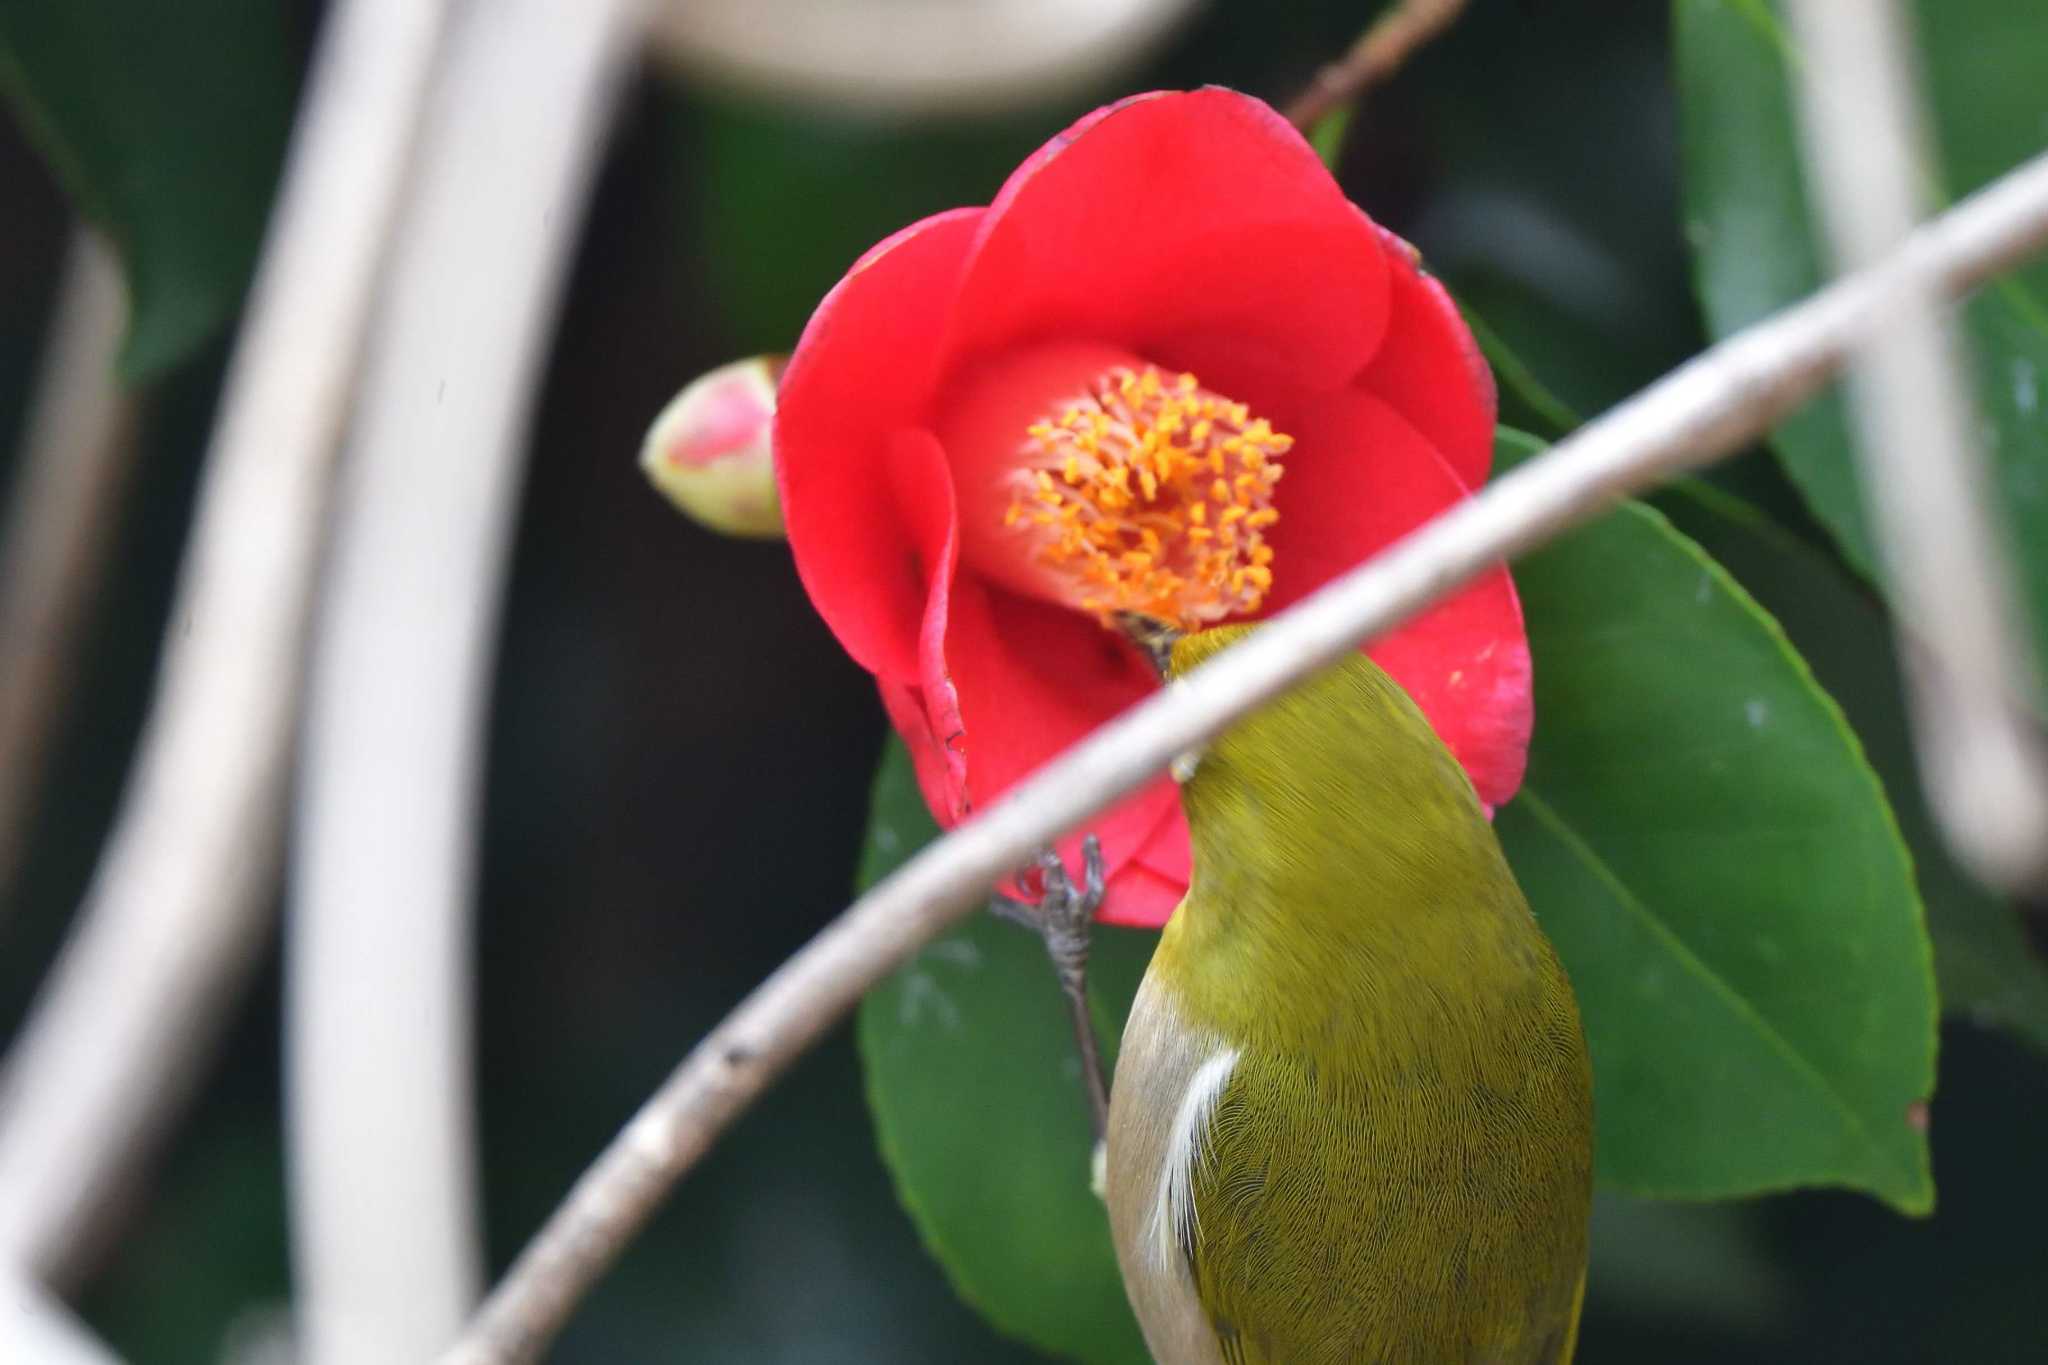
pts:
[1524, 397]
[166, 124]
[1702, 839]
[1987, 970]
[977, 1099]
[1328, 136]
[1756, 250]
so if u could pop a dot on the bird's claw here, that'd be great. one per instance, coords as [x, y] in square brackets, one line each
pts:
[1064, 918]
[1067, 911]
[1065, 908]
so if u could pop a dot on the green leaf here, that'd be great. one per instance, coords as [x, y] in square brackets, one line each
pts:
[1705, 844]
[785, 201]
[1988, 972]
[1524, 396]
[166, 123]
[1755, 249]
[1327, 137]
[977, 1099]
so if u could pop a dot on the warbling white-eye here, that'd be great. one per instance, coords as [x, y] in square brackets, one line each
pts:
[1352, 1115]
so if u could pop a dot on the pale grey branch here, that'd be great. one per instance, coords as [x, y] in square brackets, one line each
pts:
[910, 56]
[35, 1329]
[386, 1235]
[175, 912]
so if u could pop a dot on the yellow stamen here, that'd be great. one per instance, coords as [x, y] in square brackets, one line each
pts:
[1139, 457]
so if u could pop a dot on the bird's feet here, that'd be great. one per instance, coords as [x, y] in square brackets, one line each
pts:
[1064, 919]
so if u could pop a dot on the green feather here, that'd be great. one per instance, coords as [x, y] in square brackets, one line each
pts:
[1398, 1168]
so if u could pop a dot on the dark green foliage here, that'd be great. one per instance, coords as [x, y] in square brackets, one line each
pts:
[1755, 249]
[166, 123]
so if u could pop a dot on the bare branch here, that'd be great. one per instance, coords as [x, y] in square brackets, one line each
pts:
[1380, 51]
[1922, 466]
[387, 1239]
[1701, 411]
[174, 914]
[910, 56]
[60, 521]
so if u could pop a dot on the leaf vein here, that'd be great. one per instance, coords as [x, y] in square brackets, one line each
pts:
[1736, 1002]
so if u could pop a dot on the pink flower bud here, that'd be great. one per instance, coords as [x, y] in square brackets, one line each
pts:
[711, 453]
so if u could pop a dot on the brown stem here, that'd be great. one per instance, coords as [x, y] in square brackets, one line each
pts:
[1379, 52]
[61, 522]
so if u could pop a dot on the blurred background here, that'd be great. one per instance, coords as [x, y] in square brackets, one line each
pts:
[680, 754]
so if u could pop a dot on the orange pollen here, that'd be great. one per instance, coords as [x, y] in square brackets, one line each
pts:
[1153, 495]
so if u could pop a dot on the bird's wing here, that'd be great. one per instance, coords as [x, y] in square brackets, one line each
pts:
[1254, 1239]
[1336, 1222]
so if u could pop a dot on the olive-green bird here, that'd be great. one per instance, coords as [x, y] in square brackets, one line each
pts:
[1352, 1117]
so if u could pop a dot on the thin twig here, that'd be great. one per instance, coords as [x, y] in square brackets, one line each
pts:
[1923, 476]
[75, 458]
[35, 1329]
[175, 912]
[1705, 409]
[1380, 51]
[386, 1235]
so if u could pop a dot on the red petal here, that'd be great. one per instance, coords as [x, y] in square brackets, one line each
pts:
[1173, 222]
[1140, 894]
[905, 704]
[917, 471]
[1429, 369]
[1139, 897]
[865, 368]
[1358, 479]
[1167, 850]
[1033, 678]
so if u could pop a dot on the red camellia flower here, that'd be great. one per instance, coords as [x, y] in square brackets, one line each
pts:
[1170, 370]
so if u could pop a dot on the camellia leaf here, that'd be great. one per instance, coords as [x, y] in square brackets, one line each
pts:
[1755, 249]
[976, 1093]
[166, 123]
[1327, 137]
[1987, 971]
[1702, 839]
[1521, 390]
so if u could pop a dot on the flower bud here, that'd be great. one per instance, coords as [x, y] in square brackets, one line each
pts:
[711, 450]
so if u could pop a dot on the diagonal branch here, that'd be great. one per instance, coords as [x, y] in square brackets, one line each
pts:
[1703, 410]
